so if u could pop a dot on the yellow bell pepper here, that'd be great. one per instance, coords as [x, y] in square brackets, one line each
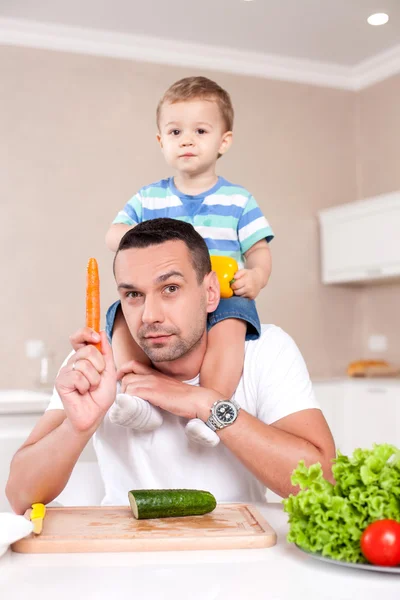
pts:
[225, 268]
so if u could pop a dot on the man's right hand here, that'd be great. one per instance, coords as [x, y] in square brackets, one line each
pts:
[87, 383]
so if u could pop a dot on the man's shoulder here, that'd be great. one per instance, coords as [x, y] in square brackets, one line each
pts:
[272, 334]
[275, 359]
[273, 341]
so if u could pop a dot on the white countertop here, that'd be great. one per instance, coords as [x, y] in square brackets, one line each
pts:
[24, 401]
[356, 381]
[279, 573]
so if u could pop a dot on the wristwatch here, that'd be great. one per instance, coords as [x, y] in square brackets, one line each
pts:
[223, 414]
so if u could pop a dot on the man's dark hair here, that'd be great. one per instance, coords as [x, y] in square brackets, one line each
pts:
[158, 231]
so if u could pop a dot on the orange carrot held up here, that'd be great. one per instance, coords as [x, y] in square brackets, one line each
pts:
[93, 297]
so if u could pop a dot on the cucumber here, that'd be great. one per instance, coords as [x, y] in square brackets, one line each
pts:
[158, 504]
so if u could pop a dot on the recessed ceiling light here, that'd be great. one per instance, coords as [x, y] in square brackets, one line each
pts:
[378, 19]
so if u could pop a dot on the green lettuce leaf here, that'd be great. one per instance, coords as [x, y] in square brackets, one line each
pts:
[329, 518]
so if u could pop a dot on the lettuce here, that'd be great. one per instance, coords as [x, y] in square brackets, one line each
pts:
[329, 518]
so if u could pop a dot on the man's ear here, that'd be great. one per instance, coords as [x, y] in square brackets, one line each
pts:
[212, 290]
[159, 140]
[226, 143]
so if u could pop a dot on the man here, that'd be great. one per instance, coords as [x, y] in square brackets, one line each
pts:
[166, 286]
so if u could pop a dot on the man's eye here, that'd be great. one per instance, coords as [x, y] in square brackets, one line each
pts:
[171, 289]
[132, 294]
[201, 131]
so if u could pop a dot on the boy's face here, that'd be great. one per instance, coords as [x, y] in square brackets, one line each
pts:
[192, 134]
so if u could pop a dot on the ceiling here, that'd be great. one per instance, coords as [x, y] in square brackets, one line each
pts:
[330, 31]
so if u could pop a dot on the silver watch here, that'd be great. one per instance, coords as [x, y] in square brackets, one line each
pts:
[223, 414]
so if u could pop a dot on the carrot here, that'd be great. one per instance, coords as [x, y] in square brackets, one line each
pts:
[93, 297]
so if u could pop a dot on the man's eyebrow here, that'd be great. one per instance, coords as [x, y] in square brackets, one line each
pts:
[126, 286]
[168, 275]
[160, 279]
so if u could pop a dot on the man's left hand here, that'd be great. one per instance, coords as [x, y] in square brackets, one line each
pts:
[172, 395]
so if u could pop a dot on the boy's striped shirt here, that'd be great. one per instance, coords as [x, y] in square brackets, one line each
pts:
[227, 216]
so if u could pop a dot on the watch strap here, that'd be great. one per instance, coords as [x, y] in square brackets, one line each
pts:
[235, 404]
[212, 423]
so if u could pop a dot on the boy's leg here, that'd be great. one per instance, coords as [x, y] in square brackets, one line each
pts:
[221, 371]
[234, 320]
[223, 362]
[123, 345]
[129, 411]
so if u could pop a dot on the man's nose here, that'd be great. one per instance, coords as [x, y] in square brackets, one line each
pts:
[152, 311]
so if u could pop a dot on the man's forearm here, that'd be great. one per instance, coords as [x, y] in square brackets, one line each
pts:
[40, 471]
[270, 453]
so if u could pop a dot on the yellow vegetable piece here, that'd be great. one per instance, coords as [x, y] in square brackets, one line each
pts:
[38, 513]
[225, 268]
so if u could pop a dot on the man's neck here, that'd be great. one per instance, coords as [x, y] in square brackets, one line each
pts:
[188, 366]
[192, 185]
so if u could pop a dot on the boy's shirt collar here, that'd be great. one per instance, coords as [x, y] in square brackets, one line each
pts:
[183, 196]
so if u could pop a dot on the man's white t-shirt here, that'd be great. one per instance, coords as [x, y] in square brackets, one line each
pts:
[275, 383]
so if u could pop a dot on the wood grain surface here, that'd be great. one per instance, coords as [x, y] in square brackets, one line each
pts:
[114, 529]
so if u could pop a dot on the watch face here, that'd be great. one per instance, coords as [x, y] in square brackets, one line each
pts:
[225, 412]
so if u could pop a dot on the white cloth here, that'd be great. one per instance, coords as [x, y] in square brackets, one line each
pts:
[12, 528]
[275, 383]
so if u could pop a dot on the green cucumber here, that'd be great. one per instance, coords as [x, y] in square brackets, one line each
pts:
[158, 504]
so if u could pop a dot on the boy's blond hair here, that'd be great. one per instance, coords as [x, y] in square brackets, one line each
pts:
[194, 88]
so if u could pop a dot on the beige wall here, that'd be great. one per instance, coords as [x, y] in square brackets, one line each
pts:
[379, 172]
[77, 140]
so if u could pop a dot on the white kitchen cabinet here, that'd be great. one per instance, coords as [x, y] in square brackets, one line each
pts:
[360, 240]
[361, 412]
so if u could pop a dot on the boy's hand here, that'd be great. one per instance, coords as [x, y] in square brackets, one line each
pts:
[248, 283]
[87, 383]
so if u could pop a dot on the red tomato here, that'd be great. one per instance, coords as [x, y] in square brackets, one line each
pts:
[380, 543]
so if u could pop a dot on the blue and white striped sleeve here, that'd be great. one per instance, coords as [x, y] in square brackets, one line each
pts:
[253, 226]
[131, 214]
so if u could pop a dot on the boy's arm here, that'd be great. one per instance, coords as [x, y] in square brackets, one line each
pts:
[115, 234]
[250, 280]
[258, 258]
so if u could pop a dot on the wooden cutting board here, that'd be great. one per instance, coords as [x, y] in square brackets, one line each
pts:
[114, 529]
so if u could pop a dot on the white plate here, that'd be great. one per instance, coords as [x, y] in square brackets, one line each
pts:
[342, 563]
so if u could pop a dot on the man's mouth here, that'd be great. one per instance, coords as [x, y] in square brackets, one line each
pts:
[158, 337]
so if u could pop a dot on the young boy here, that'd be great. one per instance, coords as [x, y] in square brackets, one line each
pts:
[195, 120]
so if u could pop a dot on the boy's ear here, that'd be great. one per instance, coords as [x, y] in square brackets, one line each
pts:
[159, 140]
[226, 143]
